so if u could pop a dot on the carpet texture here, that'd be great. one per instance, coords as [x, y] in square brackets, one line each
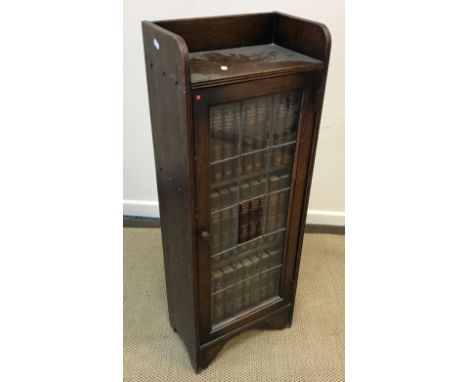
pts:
[311, 350]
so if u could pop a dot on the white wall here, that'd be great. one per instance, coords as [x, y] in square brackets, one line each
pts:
[326, 204]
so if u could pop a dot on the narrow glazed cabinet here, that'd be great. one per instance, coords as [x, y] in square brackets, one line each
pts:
[235, 107]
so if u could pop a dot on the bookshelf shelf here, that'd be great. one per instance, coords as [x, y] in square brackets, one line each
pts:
[235, 119]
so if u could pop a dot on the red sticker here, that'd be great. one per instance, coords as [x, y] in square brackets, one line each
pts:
[198, 97]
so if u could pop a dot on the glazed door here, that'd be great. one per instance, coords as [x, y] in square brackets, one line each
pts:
[246, 146]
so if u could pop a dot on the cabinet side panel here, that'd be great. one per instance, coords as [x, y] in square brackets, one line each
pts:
[166, 58]
[313, 39]
[303, 36]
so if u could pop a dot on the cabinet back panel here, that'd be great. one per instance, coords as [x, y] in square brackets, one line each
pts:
[210, 33]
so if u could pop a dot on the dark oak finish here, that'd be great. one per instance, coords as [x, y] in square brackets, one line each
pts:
[265, 55]
[241, 64]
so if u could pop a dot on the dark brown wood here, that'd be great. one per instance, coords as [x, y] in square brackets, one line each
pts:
[224, 66]
[171, 119]
[223, 32]
[265, 54]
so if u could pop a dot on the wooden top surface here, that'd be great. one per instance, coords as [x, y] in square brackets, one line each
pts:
[217, 67]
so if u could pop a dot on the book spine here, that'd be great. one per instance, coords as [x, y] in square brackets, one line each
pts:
[229, 292]
[275, 256]
[230, 138]
[272, 212]
[254, 297]
[283, 199]
[238, 292]
[233, 227]
[272, 283]
[218, 306]
[226, 229]
[262, 286]
[246, 291]
[253, 218]
[215, 232]
[243, 222]
[279, 127]
[216, 143]
[215, 200]
[249, 130]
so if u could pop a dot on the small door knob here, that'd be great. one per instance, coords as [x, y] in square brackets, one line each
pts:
[205, 235]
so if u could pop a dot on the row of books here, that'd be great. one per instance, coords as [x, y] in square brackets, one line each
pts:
[271, 241]
[277, 211]
[232, 226]
[244, 294]
[250, 220]
[252, 165]
[224, 226]
[227, 195]
[251, 121]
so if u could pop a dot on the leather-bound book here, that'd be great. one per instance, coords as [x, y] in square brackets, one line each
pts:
[285, 180]
[225, 196]
[226, 229]
[255, 188]
[262, 286]
[245, 190]
[246, 291]
[249, 125]
[215, 232]
[233, 192]
[283, 199]
[254, 297]
[217, 279]
[229, 170]
[229, 130]
[275, 256]
[254, 218]
[272, 283]
[216, 173]
[216, 143]
[216, 133]
[229, 291]
[288, 156]
[233, 226]
[247, 264]
[261, 123]
[274, 182]
[247, 164]
[218, 309]
[229, 302]
[272, 217]
[279, 122]
[244, 222]
[215, 200]
[239, 276]
[255, 264]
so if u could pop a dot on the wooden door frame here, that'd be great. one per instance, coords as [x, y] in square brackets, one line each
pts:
[202, 100]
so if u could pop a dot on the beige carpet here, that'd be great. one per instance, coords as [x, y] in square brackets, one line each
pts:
[311, 350]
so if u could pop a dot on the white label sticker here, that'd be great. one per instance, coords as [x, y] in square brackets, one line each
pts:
[156, 43]
[224, 67]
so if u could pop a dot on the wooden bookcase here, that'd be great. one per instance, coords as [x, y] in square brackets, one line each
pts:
[235, 106]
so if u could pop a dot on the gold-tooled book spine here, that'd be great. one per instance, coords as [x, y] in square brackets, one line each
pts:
[243, 222]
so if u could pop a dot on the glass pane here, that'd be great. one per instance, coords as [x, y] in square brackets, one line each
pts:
[252, 144]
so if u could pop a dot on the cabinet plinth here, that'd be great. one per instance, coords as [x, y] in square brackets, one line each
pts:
[235, 120]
